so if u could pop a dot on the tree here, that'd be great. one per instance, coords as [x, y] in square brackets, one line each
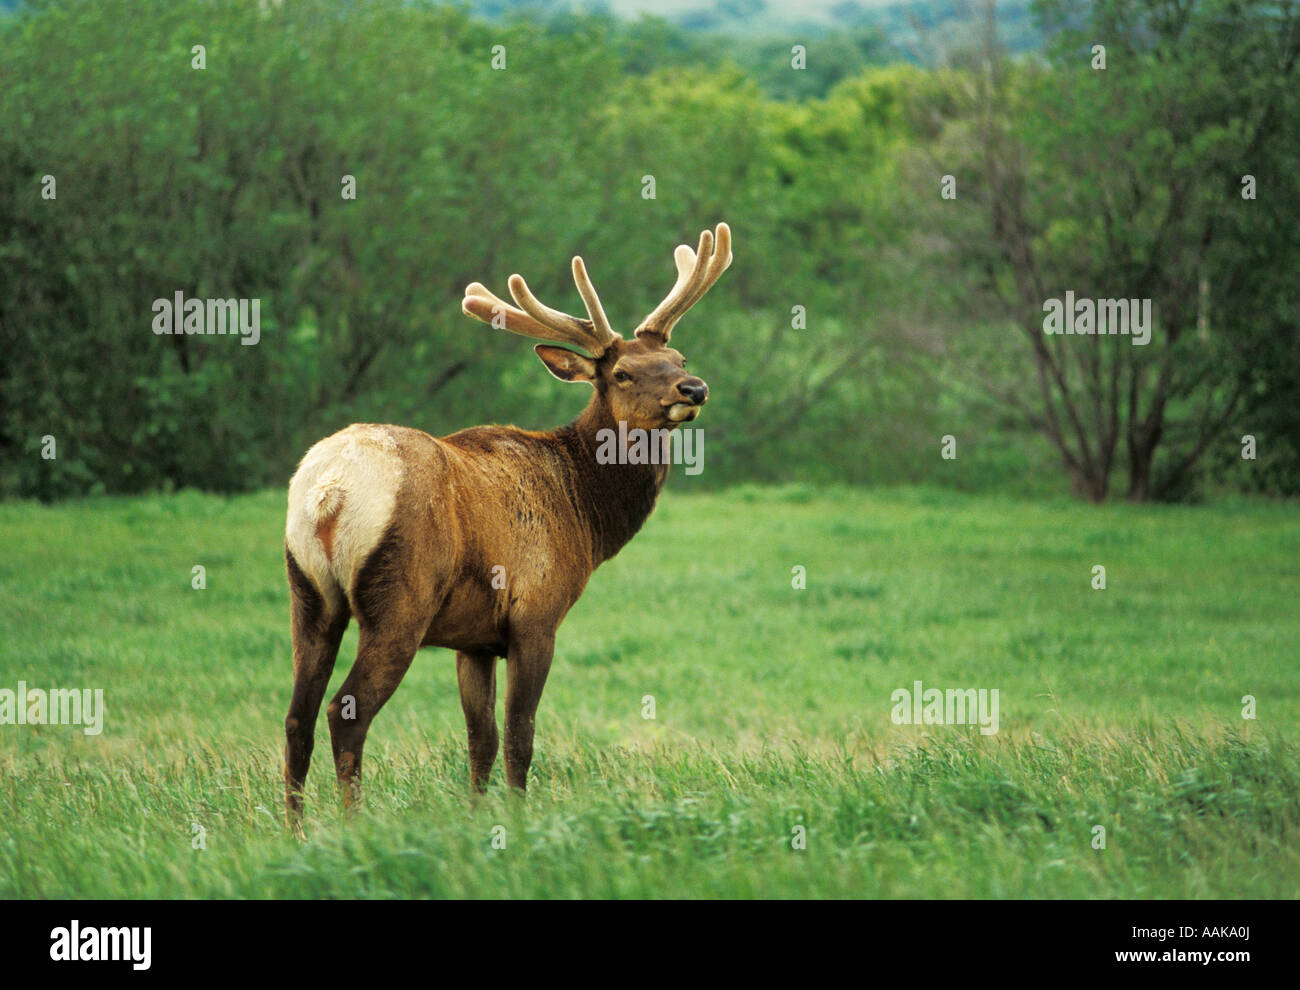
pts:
[1126, 182]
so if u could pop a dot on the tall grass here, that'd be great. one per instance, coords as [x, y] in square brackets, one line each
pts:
[1119, 709]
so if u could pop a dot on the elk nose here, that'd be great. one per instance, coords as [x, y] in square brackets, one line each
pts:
[694, 389]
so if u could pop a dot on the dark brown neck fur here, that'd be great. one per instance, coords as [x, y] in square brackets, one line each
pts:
[614, 499]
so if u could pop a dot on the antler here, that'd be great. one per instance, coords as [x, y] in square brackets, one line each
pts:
[696, 272]
[532, 319]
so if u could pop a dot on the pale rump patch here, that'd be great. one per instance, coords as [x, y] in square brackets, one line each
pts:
[341, 500]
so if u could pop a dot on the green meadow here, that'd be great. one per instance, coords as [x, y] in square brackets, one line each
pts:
[771, 768]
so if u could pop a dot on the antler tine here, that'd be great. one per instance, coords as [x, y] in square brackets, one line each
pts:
[482, 304]
[583, 333]
[592, 301]
[719, 262]
[690, 264]
[539, 321]
[696, 273]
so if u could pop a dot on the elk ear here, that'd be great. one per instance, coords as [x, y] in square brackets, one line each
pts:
[566, 365]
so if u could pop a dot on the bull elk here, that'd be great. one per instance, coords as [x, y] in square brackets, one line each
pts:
[406, 533]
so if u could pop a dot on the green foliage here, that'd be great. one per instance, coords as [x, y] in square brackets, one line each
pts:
[226, 182]
[1126, 181]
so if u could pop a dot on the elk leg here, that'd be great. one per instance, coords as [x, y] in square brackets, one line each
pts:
[317, 631]
[526, 668]
[477, 676]
[383, 657]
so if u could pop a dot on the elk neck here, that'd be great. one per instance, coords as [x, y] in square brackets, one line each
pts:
[614, 499]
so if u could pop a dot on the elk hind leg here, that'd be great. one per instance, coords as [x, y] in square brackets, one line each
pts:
[317, 625]
[383, 657]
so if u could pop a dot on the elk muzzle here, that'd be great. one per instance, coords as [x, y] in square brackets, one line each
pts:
[696, 393]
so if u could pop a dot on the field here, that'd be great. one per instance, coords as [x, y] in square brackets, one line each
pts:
[1119, 708]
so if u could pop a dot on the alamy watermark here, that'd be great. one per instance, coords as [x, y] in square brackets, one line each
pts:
[954, 706]
[660, 446]
[90, 944]
[1099, 317]
[179, 315]
[57, 706]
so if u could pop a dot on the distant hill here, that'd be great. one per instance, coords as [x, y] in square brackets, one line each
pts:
[910, 27]
[926, 23]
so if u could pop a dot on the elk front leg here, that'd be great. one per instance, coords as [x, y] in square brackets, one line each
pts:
[477, 675]
[526, 668]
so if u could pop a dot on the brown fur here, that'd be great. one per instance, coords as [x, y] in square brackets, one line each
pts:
[537, 504]
[325, 533]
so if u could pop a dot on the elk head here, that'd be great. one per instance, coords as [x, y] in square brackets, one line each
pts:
[643, 381]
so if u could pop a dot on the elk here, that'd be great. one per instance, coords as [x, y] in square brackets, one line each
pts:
[481, 541]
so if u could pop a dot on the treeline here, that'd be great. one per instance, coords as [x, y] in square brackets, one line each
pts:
[865, 318]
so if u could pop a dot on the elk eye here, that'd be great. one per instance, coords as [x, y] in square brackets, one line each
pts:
[622, 376]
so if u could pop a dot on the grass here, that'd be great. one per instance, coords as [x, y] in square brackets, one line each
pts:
[1119, 708]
